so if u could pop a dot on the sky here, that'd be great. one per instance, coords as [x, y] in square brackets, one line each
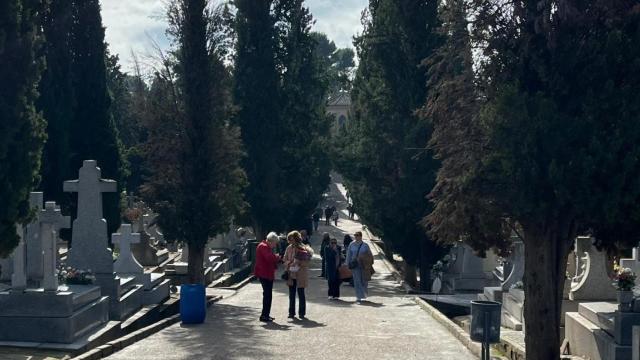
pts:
[134, 25]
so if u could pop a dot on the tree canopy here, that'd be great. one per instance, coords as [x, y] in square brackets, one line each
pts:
[550, 151]
[21, 126]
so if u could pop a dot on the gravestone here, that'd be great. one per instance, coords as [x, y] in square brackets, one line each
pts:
[51, 221]
[126, 263]
[467, 271]
[145, 251]
[156, 287]
[90, 241]
[89, 238]
[633, 263]
[33, 244]
[592, 282]
[19, 276]
[6, 268]
[48, 313]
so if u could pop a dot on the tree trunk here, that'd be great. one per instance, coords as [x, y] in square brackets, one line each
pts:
[546, 250]
[196, 264]
[410, 275]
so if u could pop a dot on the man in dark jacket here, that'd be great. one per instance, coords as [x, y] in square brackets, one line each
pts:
[266, 265]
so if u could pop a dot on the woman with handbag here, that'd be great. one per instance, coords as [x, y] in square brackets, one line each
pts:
[333, 259]
[360, 261]
[296, 261]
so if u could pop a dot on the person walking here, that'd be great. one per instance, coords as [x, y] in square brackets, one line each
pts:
[316, 219]
[305, 237]
[360, 261]
[296, 261]
[346, 241]
[327, 215]
[335, 217]
[265, 268]
[333, 259]
[323, 245]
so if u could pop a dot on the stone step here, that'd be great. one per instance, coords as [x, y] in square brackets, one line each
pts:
[157, 294]
[510, 322]
[600, 314]
[493, 293]
[128, 303]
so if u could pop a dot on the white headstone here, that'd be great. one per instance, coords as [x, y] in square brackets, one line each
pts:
[592, 282]
[89, 240]
[126, 262]
[19, 276]
[51, 221]
[517, 266]
[633, 263]
[33, 243]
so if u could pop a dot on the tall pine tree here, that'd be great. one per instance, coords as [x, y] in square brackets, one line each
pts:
[384, 158]
[557, 132]
[303, 113]
[21, 126]
[57, 101]
[76, 103]
[198, 189]
[257, 96]
[93, 134]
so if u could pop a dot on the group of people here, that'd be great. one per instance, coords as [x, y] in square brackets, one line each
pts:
[296, 260]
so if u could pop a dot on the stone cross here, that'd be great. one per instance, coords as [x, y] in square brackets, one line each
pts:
[633, 263]
[51, 221]
[33, 243]
[126, 263]
[19, 276]
[89, 240]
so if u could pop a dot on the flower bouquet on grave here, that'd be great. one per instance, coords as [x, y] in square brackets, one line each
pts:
[70, 276]
[625, 281]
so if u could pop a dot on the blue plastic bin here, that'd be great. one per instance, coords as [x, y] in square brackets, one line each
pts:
[193, 304]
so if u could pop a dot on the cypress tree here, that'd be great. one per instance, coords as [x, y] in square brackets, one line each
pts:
[383, 156]
[556, 136]
[199, 187]
[303, 112]
[92, 132]
[257, 96]
[21, 126]
[57, 103]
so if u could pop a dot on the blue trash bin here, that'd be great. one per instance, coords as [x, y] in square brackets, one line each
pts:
[193, 304]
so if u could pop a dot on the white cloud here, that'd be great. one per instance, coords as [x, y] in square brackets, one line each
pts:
[131, 23]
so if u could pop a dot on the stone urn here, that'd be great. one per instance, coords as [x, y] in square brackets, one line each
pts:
[625, 300]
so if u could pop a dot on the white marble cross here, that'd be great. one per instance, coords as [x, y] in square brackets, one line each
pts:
[51, 221]
[126, 262]
[89, 240]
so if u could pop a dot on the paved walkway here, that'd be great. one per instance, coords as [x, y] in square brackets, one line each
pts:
[389, 326]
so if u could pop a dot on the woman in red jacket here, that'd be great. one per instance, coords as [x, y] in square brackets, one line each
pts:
[266, 265]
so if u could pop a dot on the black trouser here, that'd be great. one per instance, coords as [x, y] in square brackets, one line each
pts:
[324, 265]
[267, 288]
[301, 298]
[334, 287]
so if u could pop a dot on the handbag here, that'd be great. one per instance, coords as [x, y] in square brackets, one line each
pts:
[344, 272]
[354, 262]
[285, 275]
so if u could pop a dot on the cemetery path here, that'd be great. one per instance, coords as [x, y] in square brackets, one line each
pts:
[390, 326]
